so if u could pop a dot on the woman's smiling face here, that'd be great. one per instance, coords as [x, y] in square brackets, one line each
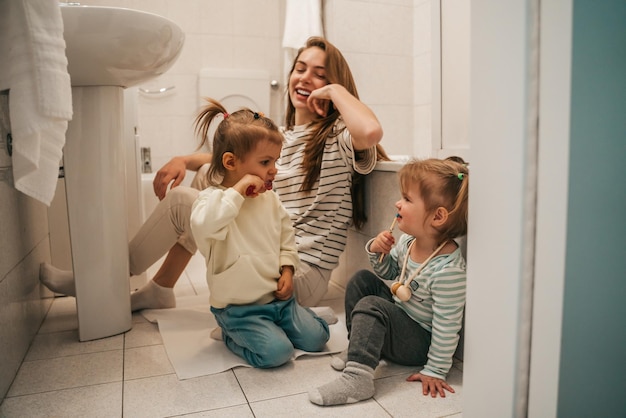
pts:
[308, 74]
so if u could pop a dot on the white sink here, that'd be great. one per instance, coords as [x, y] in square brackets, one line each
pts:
[108, 49]
[113, 46]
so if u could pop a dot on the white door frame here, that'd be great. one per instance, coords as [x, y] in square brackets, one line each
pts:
[554, 134]
[519, 184]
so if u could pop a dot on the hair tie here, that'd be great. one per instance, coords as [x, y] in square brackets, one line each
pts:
[226, 115]
[258, 115]
[460, 176]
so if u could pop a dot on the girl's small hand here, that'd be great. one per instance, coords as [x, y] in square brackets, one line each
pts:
[431, 385]
[284, 288]
[383, 242]
[250, 186]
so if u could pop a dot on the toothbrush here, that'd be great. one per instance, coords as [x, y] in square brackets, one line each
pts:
[393, 225]
[250, 189]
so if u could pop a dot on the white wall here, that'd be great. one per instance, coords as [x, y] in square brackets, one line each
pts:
[377, 39]
[24, 245]
[386, 42]
[218, 34]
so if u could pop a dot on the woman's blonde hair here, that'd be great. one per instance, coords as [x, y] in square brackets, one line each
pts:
[238, 132]
[337, 72]
[441, 183]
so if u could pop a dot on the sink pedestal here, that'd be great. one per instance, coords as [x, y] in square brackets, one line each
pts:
[95, 179]
[107, 49]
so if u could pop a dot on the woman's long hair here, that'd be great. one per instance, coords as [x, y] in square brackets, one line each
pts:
[337, 72]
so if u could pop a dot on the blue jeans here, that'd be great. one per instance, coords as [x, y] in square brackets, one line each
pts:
[266, 335]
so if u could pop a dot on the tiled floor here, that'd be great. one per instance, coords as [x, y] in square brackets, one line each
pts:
[130, 375]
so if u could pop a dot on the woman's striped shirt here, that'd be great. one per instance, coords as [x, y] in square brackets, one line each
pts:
[322, 216]
[437, 301]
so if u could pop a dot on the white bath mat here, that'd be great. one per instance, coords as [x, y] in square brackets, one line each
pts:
[185, 331]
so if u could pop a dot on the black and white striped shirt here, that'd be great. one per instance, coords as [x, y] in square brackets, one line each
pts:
[322, 216]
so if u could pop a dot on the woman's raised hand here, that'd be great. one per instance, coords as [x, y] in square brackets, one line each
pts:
[319, 101]
[175, 169]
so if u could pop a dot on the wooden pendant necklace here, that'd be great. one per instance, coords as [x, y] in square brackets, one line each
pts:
[401, 288]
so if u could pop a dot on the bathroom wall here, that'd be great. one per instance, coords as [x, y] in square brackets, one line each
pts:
[24, 245]
[218, 34]
[386, 42]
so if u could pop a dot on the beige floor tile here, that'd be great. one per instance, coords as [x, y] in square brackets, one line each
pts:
[164, 396]
[239, 411]
[294, 377]
[300, 406]
[403, 399]
[66, 343]
[61, 316]
[68, 372]
[94, 401]
[146, 361]
[142, 334]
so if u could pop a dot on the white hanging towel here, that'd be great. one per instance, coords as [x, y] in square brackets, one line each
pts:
[303, 19]
[40, 94]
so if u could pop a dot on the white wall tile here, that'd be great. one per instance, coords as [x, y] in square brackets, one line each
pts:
[217, 51]
[187, 14]
[217, 17]
[351, 26]
[422, 27]
[423, 131]
[391, 29]
[257, 18]
[395, 2]
[422, 92]
[159, 7]
[396, 122]
[392, 79]
[254, 53]
[191, 56]
[22, 308]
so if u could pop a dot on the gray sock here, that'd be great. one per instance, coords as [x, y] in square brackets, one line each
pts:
[152, 296]
[355, 384]
[338, 362]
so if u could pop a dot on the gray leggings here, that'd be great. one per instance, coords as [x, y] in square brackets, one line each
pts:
[169, 224]
[378, 328]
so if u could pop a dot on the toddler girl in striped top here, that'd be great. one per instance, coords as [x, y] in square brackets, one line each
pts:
[414, 314]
